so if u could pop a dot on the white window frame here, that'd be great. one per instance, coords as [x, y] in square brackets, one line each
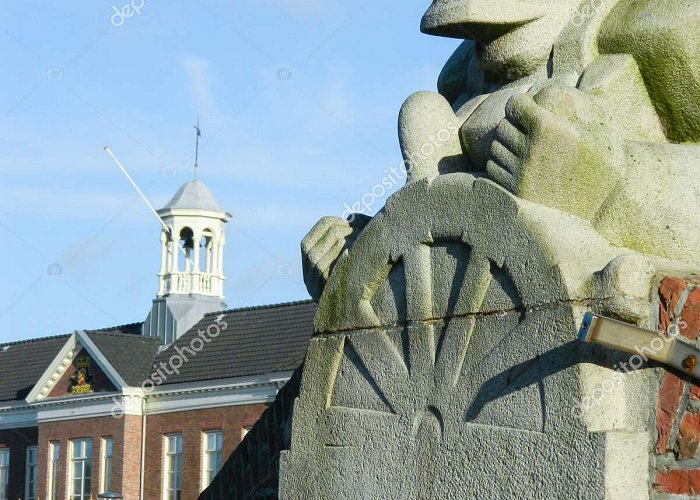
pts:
[170, 476]
[31, 472]
[106, 464]
[209, 471]
[4, 473]
[82, 461]
[54, 472]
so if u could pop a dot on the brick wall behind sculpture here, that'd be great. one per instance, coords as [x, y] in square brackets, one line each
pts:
[252, 470]
[17, 441]
[676, 457]
[192, 424]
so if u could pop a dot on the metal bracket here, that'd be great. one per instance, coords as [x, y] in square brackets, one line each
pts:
[671, 350]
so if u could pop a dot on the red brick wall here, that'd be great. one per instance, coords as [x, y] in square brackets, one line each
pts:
[191, 424]
[17, 441]
[678, 407]
[252, 470]
[101, 383]
[125, 464]
[130, 468]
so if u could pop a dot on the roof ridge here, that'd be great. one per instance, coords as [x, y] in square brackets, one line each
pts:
[116, 327]
[121, 334]
[255, 308]
[40, 339]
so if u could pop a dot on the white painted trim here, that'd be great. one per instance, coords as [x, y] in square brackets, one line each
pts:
[195, 212]
[187, 401]
[16, 416]
[101, 360]
[79, 340]
[53, 368]
[278, 379]
[200, 395]
[111, 405]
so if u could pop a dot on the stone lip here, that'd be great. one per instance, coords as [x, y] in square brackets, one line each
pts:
[477, 20]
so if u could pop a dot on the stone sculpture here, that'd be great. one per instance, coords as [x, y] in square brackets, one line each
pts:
[554, 172]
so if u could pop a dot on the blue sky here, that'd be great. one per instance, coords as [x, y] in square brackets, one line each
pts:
[278, 153]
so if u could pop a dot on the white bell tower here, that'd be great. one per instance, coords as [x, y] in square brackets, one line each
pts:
[191, 277]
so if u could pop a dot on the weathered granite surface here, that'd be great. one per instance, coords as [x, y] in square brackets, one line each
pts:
[554, 173]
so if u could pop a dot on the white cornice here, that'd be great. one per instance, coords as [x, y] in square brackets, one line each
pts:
[132, 401]
[203, 400]
[277, 379]
[16, 414]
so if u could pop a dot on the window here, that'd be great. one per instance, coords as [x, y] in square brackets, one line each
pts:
[4, 472]
[31, 474]
[212, 455]
[80, 469]
[172, 487]
[106, 475]
[54, 466]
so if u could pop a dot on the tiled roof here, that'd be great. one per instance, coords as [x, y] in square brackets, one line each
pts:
[131, 329]
[255, 340]
[22, 363]
[131, 355]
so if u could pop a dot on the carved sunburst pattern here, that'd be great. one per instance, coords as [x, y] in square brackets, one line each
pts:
[412, 370]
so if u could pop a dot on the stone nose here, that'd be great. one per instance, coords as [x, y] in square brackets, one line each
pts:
[481, 20]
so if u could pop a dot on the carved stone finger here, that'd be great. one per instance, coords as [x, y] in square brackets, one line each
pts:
[500, 176]
[512, 138]
[523, 112]
[505, 158]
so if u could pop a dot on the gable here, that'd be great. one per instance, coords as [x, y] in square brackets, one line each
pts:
[83, 376]
[64, 372]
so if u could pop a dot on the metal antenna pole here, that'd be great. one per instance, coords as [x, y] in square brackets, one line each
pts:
[196, 148]
[143, 196]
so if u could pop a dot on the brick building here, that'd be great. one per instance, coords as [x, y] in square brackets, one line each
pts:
[150, 410]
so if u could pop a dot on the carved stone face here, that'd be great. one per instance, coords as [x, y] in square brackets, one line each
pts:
[514, 37]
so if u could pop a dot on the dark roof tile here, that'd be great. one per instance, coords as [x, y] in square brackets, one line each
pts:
[22, 363]
[255, 340]
[131, 355]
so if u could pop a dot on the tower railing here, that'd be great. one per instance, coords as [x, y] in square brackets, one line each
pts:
[186, 283]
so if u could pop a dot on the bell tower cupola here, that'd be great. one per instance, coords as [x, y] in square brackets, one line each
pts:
[191, 277]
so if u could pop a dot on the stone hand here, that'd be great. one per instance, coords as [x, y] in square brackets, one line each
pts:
[324, 244]
[559, 148]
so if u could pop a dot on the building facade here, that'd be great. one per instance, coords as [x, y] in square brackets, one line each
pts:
[152, 409]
